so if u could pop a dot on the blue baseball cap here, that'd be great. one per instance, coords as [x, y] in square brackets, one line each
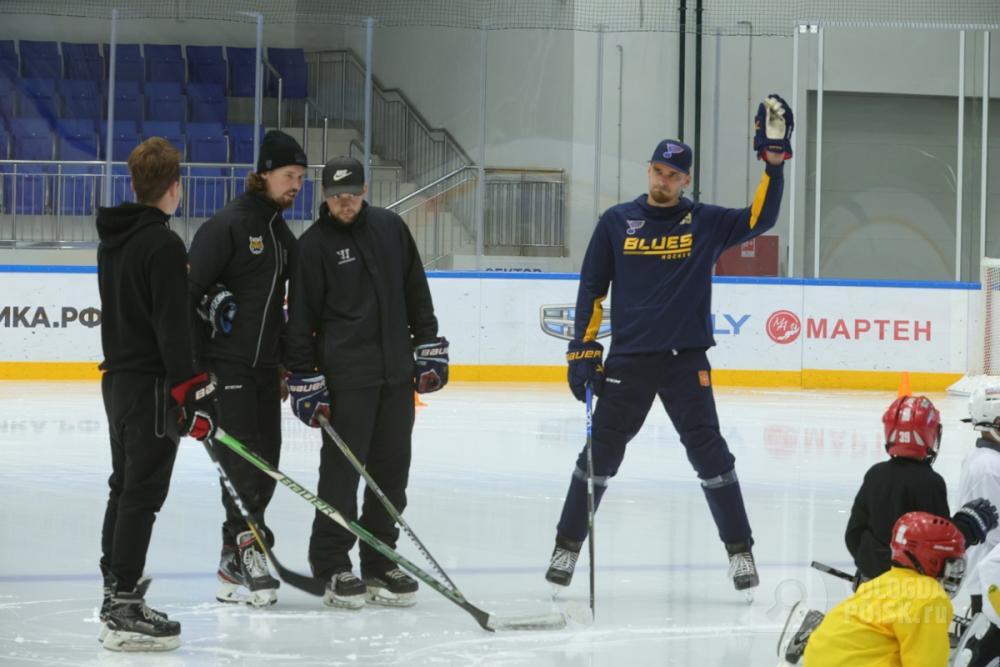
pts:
[673, 154]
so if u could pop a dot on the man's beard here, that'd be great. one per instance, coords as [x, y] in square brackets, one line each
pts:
[285, 201]
[660, 196]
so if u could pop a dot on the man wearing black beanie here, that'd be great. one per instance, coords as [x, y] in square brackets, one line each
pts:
[239, 263]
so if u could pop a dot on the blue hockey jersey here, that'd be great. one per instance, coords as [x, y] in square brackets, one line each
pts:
[658, 262]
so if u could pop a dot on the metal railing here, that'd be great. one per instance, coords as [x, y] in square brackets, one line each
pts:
[399, 133]
[525, 208]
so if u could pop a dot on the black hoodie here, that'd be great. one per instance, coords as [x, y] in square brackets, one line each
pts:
[142, 278]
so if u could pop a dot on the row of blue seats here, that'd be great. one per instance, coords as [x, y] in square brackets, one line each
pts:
[81, 99]
[85, 140]
[156, 63]
[76, 190]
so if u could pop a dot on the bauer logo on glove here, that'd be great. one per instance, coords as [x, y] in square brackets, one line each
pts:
[773, 127]
[430, 366]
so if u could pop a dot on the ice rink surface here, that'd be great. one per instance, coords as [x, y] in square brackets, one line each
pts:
[491, 466]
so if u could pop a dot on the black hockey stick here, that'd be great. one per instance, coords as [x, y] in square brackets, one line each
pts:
[302, 582]
[590, 493]
[487, 621]
[826, 569]
[386, 503]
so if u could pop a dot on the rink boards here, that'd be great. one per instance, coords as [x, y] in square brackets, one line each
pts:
[513, 327]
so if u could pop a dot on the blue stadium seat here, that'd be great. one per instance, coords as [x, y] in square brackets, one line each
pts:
[208, 103]
[81, 99]
[164, 101]
[128, 101]
[37, 99]
[6, 102]
[40, 60]
[129, 65]
[242, 71]
[206, 65]
[31, 140]
[77, 188]
[164, 63]
[241, 141]
[207, 186]
[82, 61]
[168, 129]
[291, 64]
[10, 64]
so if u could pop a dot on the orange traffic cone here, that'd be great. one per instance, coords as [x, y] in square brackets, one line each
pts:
[420, 404]
[904, 385]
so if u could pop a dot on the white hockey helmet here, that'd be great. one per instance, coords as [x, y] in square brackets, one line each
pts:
[984, 409]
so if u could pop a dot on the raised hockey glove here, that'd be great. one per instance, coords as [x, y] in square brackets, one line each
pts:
[975, 519]
[309, 397]
[218, 309]
[585, 365]
[198, 407]
[430, 365]
[773, 126]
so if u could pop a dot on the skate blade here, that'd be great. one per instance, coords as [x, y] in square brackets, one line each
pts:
[103, 633]
[551, 621]
[383, 598]
[748, 596]
[127, 642]
[353, 602]
[232, 594]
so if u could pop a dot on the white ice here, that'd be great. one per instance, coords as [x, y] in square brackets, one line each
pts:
[491, 465]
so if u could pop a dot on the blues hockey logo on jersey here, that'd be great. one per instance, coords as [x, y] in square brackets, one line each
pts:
[666, 247]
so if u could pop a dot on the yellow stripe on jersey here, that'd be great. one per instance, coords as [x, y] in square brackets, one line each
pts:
[595, 320]
[758, 199]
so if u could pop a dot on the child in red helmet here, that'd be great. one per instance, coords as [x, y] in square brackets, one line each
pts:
[902, 616]
[907, 483]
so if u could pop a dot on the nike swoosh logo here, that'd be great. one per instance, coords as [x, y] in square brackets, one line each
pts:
[341, 174]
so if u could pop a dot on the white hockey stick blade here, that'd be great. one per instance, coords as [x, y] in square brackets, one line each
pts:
[551, 621]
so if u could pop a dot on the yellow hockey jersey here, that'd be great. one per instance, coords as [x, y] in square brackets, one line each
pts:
[899, 619]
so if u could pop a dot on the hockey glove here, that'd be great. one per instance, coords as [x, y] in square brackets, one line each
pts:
[218, 309]
[198, 408]
[430, 366]
[585, 365]
[773, 126]
[309, 397]
[975, 519]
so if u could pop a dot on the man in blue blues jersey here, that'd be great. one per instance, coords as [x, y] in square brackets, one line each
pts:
[656, 253]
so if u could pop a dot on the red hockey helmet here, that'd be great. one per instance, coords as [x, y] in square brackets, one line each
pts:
[912, 428]
[931, 545]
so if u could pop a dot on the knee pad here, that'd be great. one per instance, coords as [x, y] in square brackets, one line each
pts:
[607, 459]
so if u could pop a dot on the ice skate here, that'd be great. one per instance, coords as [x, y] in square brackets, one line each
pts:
[142, 586]
[968, 644]
[243, 574]
[742, 569]
[345, 591]
[800, 624]
[394, 588]
[563, 562]
[132, 626]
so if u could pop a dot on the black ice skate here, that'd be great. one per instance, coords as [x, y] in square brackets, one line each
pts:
[345, 591]
[142, 586]
[563, 561]
[132, 626]
[246, 567]
[393, 588]
[800, 625]
[742, 569]
[968, 649]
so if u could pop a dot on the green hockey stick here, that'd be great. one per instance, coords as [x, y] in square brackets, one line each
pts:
[487, 621]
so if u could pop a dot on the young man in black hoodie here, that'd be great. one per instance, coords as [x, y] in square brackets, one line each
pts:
[152, 392]
[239, 262]
[359, 312]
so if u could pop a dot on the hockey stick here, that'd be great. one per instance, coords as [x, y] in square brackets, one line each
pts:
[487, 621]
[590, 493]
[386, 503]
[302, 582]
[826, 569]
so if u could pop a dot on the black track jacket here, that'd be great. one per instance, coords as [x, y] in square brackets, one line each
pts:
[891, 489]
[358, 301]
[247, 247]
[144, 305]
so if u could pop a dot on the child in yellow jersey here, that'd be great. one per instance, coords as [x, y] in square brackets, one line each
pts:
[901, 618]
